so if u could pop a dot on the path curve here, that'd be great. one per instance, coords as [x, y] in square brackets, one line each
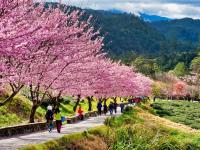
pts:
[15, 143]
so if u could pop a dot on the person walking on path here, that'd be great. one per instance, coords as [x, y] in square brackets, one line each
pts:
[115, 106]
[58, 119]
[80, 113]
[111, 106]
[49, 118]
[105, 108]
[99, 107]
[122, 107]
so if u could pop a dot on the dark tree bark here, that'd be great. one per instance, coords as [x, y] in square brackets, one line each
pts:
[77, 103]
[154, 99]
[105, 100]
[115, 99]
[33, 111]
[8, 99]
[14, 93]
[89, 104]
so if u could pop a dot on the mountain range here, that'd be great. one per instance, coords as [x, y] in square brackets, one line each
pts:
[167, 40]
[129, 32]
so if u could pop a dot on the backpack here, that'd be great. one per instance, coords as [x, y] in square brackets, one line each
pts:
[99, 105]
[49, 115]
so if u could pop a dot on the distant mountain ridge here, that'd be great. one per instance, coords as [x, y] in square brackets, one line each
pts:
[116, 11]
[153, 18]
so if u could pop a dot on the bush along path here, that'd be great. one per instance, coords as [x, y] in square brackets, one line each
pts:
[40, 137]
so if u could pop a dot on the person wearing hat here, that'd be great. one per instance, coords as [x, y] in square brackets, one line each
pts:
[49, 118]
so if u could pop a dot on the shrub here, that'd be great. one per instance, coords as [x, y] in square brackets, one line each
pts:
[191, 146]
[109, 121]
[156, 106]
[99, 131]
[66, 101]
[128, 109]
[162, 113]
[170, 144]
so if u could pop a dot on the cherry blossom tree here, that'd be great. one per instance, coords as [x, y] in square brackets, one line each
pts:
[104, 78]
[180, 88]
[27, 37]
[49, 51]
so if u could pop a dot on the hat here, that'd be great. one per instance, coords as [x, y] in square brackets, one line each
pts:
[49, 107]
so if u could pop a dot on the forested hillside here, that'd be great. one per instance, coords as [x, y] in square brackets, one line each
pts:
[128, 36]
[126, 32]
[167, 42]
[186, 29]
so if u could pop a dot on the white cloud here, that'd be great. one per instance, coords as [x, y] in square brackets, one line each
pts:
[167, 8]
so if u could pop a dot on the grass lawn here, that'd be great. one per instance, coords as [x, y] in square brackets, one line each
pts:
[184, 112]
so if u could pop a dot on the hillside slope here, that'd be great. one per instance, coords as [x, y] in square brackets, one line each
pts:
[18, 111]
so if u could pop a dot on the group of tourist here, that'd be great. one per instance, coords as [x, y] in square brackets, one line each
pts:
[102, 107]
[137, 100]
[112, 107]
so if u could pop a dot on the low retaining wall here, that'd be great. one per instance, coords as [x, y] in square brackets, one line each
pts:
[35, 127]
[22, 129]
[74, 119]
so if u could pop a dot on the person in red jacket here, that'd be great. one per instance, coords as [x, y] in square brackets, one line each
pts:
[80, 113]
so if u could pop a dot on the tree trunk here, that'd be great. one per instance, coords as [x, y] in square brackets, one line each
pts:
[8, 99]
[154, 99]
[76, 105]
[54, 103]
[115, 99]
[105, 100]
[11, 96]
[33, 111]
[89, 104]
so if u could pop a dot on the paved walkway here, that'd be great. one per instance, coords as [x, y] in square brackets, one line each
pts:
[35, 138]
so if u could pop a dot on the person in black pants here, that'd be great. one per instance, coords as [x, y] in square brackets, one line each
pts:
[115, 106]
[49, 117]
[99, 107]
[105, 108]
[122, 107]
[111, 106]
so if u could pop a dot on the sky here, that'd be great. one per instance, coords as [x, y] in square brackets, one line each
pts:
[166, 8]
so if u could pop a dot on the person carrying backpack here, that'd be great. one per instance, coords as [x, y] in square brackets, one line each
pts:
[49, 118]
[58, 120]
